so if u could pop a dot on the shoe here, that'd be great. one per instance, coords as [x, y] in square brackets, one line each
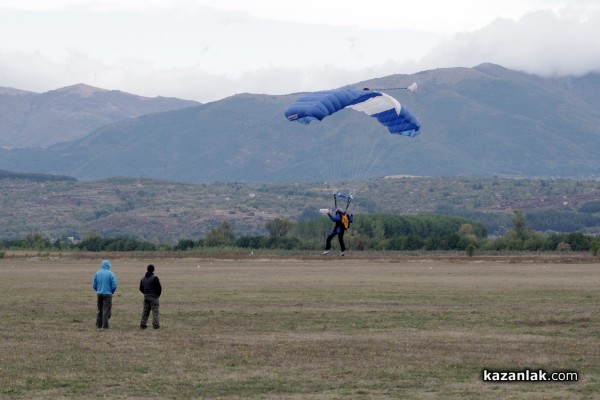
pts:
[342, 254]
[143, 326]
[325, 252]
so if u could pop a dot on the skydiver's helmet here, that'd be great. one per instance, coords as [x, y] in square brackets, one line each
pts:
[338, 211]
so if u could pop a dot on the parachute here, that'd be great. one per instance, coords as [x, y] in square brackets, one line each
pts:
[390, 114]
[386, 109]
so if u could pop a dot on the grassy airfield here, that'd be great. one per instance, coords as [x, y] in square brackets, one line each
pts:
[327, 328]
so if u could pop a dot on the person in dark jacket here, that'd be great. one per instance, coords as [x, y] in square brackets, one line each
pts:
[105, 284]
[342, 223]
[151, 288]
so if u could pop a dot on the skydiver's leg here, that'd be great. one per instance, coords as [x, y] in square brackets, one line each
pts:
[328, 241]
[341, 239]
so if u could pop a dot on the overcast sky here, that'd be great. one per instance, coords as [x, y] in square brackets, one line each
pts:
[206, 50]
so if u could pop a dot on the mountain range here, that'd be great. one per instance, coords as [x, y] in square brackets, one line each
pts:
[29, 119]
[480, 121]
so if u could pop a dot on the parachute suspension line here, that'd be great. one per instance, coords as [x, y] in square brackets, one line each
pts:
[364, 161]
[382, 148]
[351, 167]
[348, 198]
[387, 147]
[369, 157]
[323, 158]
[346, 164]
[337, 156]
[330, 158]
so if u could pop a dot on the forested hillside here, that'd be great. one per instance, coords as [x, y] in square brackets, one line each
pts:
[169, 211]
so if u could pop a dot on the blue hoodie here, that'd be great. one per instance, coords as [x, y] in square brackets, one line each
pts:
[105, 281]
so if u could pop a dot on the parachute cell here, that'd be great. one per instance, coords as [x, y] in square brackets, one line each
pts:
[387, 110]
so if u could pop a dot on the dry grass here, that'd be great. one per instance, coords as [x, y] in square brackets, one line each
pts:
[300, 329]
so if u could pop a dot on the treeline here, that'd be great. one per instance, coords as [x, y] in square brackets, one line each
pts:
[368, 232]
[34, 177]
[523, 237]
[585, 219]
[93, 242]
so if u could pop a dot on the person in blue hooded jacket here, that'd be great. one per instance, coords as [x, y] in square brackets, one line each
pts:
[105, 284]
[342, 223]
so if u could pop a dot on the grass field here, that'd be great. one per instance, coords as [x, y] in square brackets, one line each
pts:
[300, 329]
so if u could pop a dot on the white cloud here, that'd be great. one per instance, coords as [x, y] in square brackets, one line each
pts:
[205, 50]
[423, 15]
[543, 43]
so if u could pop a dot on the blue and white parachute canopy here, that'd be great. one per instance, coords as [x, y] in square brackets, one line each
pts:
[386, 109]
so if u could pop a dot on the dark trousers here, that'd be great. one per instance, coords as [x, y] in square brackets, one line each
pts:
[340, 238]
[150, 305]
[104, 310]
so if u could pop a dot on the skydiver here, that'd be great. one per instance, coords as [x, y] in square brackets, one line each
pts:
[342, 223]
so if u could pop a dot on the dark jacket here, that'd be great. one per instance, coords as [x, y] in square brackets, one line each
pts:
[339, 226]
[150, 286]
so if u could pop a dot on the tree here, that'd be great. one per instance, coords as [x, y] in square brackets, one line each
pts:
[467, 237]
[470, 250]
[578, 241]
[279, 227]
[91, 242]
[184, 244]
[595, 247]
[37, 240]
[221, 236]
[520, 226]
[520, 237]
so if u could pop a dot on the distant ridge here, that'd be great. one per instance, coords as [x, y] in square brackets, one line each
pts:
[80, 89]
[484, 121]
[30, 119]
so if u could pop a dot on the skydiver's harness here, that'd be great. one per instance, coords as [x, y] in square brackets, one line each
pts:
[344, 220]
[348, 197]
